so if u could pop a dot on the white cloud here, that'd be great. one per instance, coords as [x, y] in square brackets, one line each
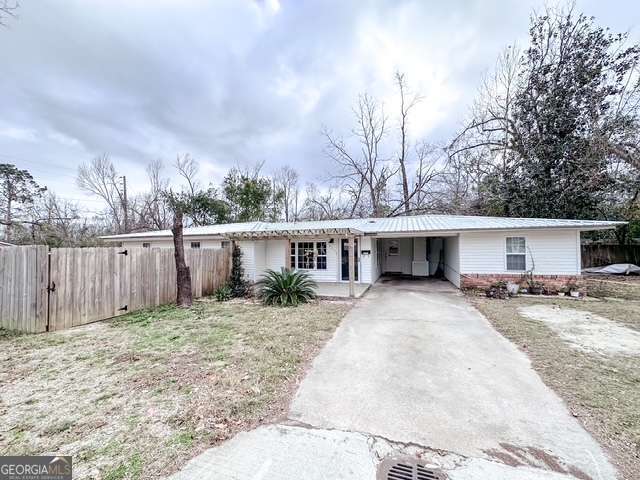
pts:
[19, 134]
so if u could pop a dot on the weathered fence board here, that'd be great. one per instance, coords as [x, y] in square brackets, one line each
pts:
[23, 288]
[599, 255]
[90, 284]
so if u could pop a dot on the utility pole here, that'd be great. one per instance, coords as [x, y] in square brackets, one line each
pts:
[125, 204]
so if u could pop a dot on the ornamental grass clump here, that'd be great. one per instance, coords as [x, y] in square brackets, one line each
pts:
[286, 288]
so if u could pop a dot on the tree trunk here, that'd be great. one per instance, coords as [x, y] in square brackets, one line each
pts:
[183, 274]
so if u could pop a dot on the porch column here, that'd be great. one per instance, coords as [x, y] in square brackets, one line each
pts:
[351, 267]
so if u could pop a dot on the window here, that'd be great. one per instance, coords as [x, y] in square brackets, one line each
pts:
[195, 244]
[516, 253]
[394, 247]
[308, 255]
[225, 244]
[146, 245]
[321, 255]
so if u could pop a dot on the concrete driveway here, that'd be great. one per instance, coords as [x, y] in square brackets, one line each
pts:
[414, 369]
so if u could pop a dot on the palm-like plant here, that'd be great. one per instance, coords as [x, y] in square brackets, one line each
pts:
[286, 288]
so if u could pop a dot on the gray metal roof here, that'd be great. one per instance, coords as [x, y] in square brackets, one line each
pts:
[393, 225]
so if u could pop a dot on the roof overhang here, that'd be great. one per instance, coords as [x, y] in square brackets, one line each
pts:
[450, 233]
[290, 233]
[150, 238]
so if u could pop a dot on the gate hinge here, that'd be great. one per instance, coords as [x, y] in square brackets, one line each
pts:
[124, 252]
[124, 309]
[52, 287]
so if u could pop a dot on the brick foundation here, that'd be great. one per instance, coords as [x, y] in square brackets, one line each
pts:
[552, 283]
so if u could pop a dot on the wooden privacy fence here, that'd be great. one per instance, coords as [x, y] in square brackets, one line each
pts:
[44, 290]
[600, 255]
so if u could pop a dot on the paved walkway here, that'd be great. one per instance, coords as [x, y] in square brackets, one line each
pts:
[414, 369]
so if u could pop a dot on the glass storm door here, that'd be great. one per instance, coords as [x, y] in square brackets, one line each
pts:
[345, 259]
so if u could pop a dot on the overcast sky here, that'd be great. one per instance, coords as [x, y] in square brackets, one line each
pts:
[235, 82]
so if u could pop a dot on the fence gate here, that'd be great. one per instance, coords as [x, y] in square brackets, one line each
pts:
[86, 284]
[23, 288]
[90, 284]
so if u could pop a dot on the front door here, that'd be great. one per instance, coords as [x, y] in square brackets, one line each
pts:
[345, 259]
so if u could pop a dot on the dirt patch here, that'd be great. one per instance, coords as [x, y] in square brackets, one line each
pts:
[602, 391]
[517, 456]
[586, 331]
[137, 396]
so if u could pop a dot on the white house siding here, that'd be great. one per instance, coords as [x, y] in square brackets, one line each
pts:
[247, 247]
[274, 258]
[436, 246]
[400, 263]
[452, 260]
[554, 252]
[368, 263]
[270, 254]
[276, 251]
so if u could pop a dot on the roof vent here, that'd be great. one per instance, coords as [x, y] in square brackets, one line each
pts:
[407, 468]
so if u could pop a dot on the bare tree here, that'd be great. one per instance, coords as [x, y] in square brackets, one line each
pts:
[56, 222]
[188, 169]
[286, 181]
[325, 205]
[422, 194]
[491, 127]
[7, 9]
[154, 211]
[363, 175]
[407, 103]
[100, 178]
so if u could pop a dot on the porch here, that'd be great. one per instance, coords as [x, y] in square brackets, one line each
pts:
[340, 289]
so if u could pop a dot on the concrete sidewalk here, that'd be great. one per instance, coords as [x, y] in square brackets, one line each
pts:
[414, 369]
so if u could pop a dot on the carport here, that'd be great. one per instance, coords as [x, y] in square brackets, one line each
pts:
[418, 256]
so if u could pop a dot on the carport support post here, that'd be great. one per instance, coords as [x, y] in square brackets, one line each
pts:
[287, 255]
[351, 267]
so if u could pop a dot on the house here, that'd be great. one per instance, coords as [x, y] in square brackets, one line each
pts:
[469, 251]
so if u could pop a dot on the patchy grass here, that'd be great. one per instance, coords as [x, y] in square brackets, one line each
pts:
[137, 396]
[602, 391]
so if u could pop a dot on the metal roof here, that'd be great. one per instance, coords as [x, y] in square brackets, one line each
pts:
[375, 226]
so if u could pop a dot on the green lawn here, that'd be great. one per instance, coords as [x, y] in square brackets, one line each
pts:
[137, 396]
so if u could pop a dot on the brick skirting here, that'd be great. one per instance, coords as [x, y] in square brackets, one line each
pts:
[552, 283]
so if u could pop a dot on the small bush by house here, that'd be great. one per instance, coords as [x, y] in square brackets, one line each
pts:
[286, 288]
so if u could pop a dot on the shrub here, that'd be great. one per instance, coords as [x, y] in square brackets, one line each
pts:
[223, 293]
[239, 286]
[285, 288]
[498, 290]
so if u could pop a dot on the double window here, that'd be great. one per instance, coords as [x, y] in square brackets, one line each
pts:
[195, 244]
[309, 255]
[146, 245]
[516, 254]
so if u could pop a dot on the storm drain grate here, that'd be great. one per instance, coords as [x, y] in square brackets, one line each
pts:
[394, 468]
